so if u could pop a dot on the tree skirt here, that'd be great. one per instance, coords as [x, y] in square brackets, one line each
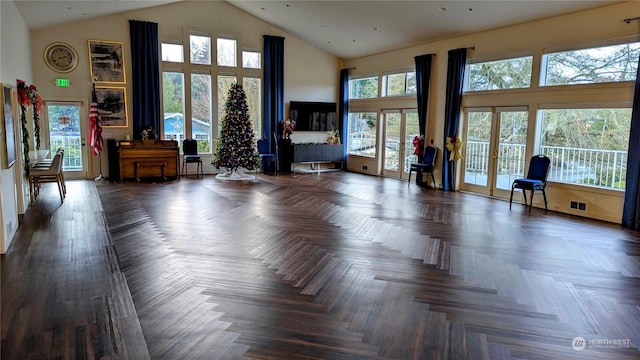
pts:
[235, 175]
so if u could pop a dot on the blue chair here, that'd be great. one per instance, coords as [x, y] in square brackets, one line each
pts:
[428, 164]
[190, 155]
[536, 180]
[266, 158]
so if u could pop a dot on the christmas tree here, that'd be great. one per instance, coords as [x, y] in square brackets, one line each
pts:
[236, 148]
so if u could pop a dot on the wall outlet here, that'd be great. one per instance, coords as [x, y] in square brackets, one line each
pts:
[578, 205]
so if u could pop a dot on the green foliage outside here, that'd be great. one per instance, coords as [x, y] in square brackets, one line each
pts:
[363, 88]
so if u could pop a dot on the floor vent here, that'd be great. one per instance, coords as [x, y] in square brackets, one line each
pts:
[578, 205]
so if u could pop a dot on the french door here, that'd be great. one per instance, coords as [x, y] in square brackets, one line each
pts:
[496, 140]
[400, 127]
[66, 129]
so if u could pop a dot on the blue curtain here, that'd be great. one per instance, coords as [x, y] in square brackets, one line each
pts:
[273, 109]
[455, 78]
[145, 71]
[630, 214]
[344, 112]
[423, 77]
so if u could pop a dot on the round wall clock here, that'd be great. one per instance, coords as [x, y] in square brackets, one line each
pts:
[61, 57]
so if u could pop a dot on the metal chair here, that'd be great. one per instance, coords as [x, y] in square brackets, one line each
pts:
[536, 180]
[428, 164]
[190, 155]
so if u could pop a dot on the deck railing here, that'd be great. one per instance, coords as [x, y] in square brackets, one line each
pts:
[602, 168]
[72, 151]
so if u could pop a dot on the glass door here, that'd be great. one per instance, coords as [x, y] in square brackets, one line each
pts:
[66, 130]
[400, 127]
[495, 149]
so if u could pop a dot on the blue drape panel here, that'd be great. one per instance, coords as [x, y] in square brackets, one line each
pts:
[145, 71]
[423, 77]
[455, 78]
[273, 109]
[344, 112]
[630, 214]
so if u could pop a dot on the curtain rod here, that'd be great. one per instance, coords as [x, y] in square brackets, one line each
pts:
[628, 20]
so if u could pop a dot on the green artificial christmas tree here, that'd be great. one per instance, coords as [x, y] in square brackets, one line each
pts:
[236, 148]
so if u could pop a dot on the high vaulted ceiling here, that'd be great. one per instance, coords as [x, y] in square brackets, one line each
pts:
[344, 28]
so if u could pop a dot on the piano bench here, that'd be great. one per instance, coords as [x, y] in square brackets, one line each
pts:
[161, 164]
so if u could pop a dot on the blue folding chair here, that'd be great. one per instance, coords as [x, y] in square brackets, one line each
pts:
[266, 157]
[536, 180]
[428, 164]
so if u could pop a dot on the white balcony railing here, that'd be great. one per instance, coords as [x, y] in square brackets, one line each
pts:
[601, 168]
[72, 151]
[362, 144]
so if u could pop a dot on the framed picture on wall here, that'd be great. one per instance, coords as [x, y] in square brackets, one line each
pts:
[112, 105]
[107, 61]
[9, 152]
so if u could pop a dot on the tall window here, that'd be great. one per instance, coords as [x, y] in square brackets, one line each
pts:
[595, 65]
[173, 102]
[399, 84]
[252, 88]
[500, 74]
[586, 146]
[362, 133]
[190, 107]
[201, 111]
[364, 88]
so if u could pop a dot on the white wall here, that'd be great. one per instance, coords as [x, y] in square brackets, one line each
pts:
[15, 62]
[588, 27]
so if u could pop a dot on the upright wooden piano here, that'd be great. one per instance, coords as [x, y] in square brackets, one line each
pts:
[148, 158]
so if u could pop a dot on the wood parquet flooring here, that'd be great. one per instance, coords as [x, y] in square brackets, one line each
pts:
[64, 295]
[348, 266]
[345, 266]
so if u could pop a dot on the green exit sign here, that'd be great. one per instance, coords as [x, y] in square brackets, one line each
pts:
[62, 82]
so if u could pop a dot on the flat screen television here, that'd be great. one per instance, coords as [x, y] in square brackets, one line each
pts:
[313, 116]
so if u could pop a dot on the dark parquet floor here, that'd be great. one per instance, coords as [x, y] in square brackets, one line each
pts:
[330, 266]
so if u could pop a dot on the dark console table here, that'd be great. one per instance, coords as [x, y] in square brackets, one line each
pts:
[315, 154]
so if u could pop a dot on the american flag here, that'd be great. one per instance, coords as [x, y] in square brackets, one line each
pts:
[95, 123]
